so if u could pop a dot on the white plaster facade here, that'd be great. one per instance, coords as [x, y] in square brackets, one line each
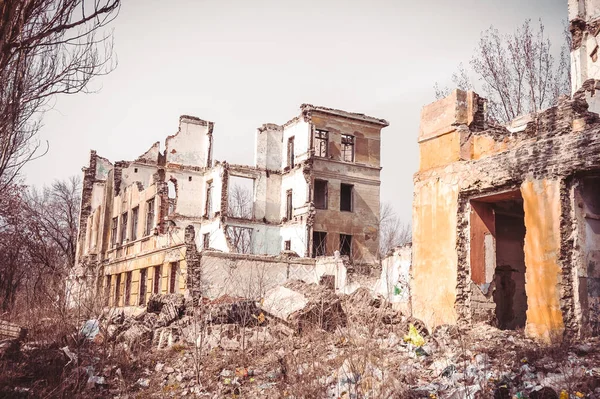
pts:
[134, 213]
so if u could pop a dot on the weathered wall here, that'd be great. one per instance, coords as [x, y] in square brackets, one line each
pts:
[542, 205]
[584, 16]
[367, 137]
[300, 130]
[251, 276]
[434, 251]
[268, 151]
[394, 281]
[192, 144]
[542, 158]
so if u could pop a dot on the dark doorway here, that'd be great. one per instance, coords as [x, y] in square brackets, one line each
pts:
[498, 256]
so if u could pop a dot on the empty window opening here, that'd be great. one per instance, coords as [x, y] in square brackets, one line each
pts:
[143, 281]
[240, 238]
[321, 143]
[290, 152]
[156, 289]
[498, 257]
[319, 244]
[346, 200]
[346, 245]
[189, 178]
[240, 199]
[128, 278]
[134, 222]
[123, 228]
[209, 191]
[320, 194]
[206, 240]
[347, 148]
[289, 210]
[173, 280]
[134, 170]
[149, 217]
[287, 245]
[172, 194]
[113, 231]
[118, 291]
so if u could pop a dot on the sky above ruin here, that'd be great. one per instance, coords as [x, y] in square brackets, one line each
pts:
[244, 63]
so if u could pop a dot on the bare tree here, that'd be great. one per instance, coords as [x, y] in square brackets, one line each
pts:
[392, 231]
[13, 243]
[37, 242]
[47, 47]
[517, 73]
[240, 202]
[240, 238]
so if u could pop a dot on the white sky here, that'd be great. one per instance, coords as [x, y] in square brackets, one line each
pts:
[244, 63]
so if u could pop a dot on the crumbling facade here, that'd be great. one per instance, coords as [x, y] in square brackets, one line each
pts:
[314, 190]
[506, 221]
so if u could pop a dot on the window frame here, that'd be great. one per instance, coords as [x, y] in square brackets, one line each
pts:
[290, 152]
[135, 215]
[128, 280]
[343, 239]
[321, 137]
[289, 205]
[173, 282]
[205, 240]
[156, 288]
[351, 186]
[124, 220]
[208, 202]
[325, 204]
[114, 231]
[348, 141]
[150, 216]
[143, 286]
[321, 249]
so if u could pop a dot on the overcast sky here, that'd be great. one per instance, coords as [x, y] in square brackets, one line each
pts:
[244, 63]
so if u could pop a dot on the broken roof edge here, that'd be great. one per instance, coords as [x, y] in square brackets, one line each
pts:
[269, 126]
[195, 120]
[344, 114]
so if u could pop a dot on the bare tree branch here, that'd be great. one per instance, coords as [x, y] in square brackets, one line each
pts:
[517, 73]
[47, 47]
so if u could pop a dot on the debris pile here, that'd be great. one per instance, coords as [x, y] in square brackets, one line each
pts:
[305, 340]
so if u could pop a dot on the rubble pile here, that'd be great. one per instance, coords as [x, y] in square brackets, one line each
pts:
[305, 306]
[232, 347]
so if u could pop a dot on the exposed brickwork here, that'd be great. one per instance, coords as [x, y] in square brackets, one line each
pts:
[193, 260]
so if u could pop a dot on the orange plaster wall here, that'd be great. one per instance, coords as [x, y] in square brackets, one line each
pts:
[439, 151]
[434, 252]
[484, 146]
[541, 201]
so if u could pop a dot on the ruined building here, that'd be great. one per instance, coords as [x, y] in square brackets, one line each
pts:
[506, 222]
[174, 220]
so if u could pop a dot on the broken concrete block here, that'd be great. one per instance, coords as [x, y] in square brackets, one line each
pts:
[305, 306]
[137, 334]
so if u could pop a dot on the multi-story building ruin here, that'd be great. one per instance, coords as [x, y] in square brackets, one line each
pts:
[506, 221]
[314, 190]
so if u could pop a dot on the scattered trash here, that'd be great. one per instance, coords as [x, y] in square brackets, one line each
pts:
[143, 382]
[90, 329]
[413, 336]
[72, 356]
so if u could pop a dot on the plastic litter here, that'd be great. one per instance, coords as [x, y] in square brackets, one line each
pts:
[414, 337]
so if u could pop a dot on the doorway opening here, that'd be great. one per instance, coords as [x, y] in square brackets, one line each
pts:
[498, 256]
